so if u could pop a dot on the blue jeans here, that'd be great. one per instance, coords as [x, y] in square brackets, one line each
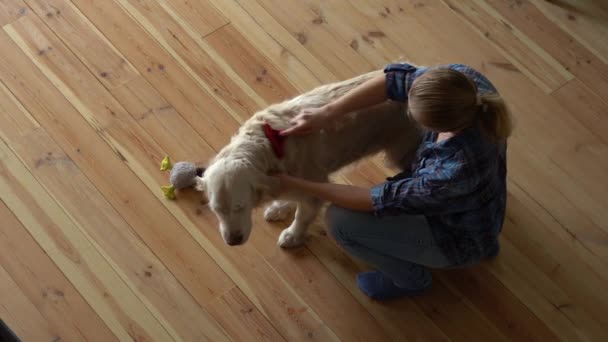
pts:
[402, 247]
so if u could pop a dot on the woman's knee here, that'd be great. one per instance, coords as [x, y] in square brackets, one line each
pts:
[338, 219]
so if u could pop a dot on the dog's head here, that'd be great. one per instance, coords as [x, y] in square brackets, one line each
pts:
[234, 188]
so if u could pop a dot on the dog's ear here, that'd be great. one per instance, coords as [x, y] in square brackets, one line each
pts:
[201, 184]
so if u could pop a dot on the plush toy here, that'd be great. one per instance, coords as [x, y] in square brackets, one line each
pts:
[182, 175]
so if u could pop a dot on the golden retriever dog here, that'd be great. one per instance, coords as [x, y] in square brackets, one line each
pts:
[237, 180]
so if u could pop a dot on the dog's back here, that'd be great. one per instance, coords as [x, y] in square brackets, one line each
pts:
[384, 127]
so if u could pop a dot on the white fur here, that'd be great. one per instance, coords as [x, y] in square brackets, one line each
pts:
[237, 179]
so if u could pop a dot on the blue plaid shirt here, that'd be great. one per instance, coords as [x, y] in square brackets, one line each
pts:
[459, 184]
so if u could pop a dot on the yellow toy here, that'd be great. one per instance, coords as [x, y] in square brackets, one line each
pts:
[182, 175]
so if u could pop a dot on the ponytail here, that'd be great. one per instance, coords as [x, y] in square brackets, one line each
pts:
[446, 100]
[494, 117]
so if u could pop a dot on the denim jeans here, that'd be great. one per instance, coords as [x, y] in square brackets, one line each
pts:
[402, 247]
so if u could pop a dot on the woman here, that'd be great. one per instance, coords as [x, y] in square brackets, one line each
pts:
[444, 211]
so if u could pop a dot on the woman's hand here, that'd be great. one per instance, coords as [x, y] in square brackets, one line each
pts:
[308, 121]
[346, 196]
[283, 181]
[368, 93]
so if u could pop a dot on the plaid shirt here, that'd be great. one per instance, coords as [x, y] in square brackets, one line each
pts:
[459, 184]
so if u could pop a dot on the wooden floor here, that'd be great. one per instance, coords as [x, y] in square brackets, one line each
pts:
[94, 93]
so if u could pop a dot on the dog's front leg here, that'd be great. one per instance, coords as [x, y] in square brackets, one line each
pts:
[295, 234]
[279, 210]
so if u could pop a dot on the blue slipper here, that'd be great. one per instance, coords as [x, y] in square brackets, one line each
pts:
[380, 287]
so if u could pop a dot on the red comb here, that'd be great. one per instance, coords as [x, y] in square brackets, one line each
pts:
[277, 141]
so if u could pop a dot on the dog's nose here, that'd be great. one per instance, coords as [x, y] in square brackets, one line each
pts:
[234, 240]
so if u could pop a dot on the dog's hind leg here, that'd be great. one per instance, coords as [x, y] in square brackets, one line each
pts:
[294, 235]
[279, 210]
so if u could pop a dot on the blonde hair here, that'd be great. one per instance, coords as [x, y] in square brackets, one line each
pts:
[446, 100]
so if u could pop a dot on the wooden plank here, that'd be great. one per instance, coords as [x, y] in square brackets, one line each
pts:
[404, 23]
[455, 317]
[73, 253]
[154, 63]
[69, 315]
[528, 286]
[569, 52]
[201, 15]
[251, 65]
[42, 281]
[325, 295]
[513, 44]
[570, 149]
[17, 311]
[581, 216]
[109, 65]
[299, 20]
[82, 90]
[542, 296]
[298, 65]
[585, 106]
[14, 115]
[11, 10]
[557, 261]
[585, 20]
[241, 319]
[195, 56]
[344, 21]
[162, 121]
[498, 304]
[137, 265]
[563, 218]
[126, 193]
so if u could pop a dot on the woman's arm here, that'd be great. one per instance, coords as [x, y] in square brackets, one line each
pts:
[365, 95]
[345, 196]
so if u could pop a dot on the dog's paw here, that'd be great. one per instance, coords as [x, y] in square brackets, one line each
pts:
[288, 239]
[277, 211]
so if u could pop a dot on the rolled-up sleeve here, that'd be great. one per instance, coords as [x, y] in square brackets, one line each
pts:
[431, 194]
[409, 196]
[397, 80]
